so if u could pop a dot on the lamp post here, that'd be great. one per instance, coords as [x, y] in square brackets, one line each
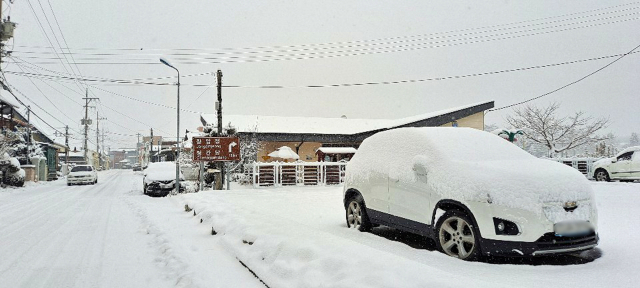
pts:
[165, 62]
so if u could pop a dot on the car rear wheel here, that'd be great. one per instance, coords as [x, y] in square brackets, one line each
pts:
[357, 215]
[457, 236]
[602, 175]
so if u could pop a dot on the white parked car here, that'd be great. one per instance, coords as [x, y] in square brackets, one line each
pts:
[624, 167]
[471, 191]
[82, 174]
[160, 179]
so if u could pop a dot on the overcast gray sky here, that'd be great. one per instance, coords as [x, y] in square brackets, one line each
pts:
[158, 27]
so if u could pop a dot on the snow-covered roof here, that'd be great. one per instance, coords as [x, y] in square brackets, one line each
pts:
[189, 142]
[9, 101]
[76, 153]
[337, 150]
[318, 125]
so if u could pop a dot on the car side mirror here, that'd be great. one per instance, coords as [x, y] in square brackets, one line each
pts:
[614, 160]
[419, 169]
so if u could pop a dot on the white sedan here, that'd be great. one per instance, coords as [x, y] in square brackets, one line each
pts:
[82, 174]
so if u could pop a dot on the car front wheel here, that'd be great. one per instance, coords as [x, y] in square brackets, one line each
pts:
[602, 175]
[357, 215]
[457, 236]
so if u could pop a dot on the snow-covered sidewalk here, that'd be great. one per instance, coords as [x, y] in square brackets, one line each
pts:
[297, 237]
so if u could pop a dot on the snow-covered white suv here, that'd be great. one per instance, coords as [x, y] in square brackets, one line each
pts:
[624, 167]
[471, 191]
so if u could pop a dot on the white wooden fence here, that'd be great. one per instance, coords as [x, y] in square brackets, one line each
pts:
[584, 165]
[295, 174]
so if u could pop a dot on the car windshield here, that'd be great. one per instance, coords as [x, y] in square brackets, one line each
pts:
[81, 169]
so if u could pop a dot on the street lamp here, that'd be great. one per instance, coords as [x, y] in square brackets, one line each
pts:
[165, 62]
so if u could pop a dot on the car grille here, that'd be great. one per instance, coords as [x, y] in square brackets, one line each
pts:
[550, 240]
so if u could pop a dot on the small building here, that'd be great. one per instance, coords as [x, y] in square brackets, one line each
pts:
[305, 135]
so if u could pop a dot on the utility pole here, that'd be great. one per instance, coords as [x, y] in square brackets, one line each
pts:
[104, 146]
[137, 150]
[151, 156]
[86, 122]
[219, 108]
[98, 137]
[29, 125]
[66, 143]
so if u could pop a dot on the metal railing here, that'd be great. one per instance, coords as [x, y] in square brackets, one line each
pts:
[584, 165]
[295, 174]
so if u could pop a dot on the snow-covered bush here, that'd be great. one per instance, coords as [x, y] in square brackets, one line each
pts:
[12, 174]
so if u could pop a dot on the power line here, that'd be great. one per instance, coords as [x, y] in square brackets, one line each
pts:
[341, 53]
[45, 96]
[567, 85]
[350, 84]
[143, 101]
[374, 40]
[10, 89]
[352, 44]
[64, 39]
[35, 15]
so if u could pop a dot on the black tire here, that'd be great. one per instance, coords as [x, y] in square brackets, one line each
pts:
[68, 184]
[356, 208]
[601, 175]
[144, 189]
[456, 236]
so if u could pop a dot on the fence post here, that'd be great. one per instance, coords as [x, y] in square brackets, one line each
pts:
[254, 175]
[299, 174]
[276, 174]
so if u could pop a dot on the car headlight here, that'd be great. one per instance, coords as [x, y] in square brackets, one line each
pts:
[505, 227]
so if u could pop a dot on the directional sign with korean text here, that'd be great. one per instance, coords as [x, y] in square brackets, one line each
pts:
[216, 149]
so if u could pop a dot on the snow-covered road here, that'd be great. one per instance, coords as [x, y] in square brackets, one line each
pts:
[107, 235]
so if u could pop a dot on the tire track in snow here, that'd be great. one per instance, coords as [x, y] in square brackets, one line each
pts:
[50, 236]
[40, 208]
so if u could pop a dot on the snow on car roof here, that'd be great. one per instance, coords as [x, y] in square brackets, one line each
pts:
[318, 125]
[628, 149]
[161, 171]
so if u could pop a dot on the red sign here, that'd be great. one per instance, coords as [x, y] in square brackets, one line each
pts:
[216, 149]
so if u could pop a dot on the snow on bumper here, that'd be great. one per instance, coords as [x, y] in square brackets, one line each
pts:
[537, 233]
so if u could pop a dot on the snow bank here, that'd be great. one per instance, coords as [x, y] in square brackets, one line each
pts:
[285, 252]
[466, 164]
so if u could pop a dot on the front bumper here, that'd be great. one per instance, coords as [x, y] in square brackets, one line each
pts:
[161, 189]
[548, 244]
[83, 180]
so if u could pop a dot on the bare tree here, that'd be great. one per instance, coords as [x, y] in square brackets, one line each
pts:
[558, 133]
[634, 140]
